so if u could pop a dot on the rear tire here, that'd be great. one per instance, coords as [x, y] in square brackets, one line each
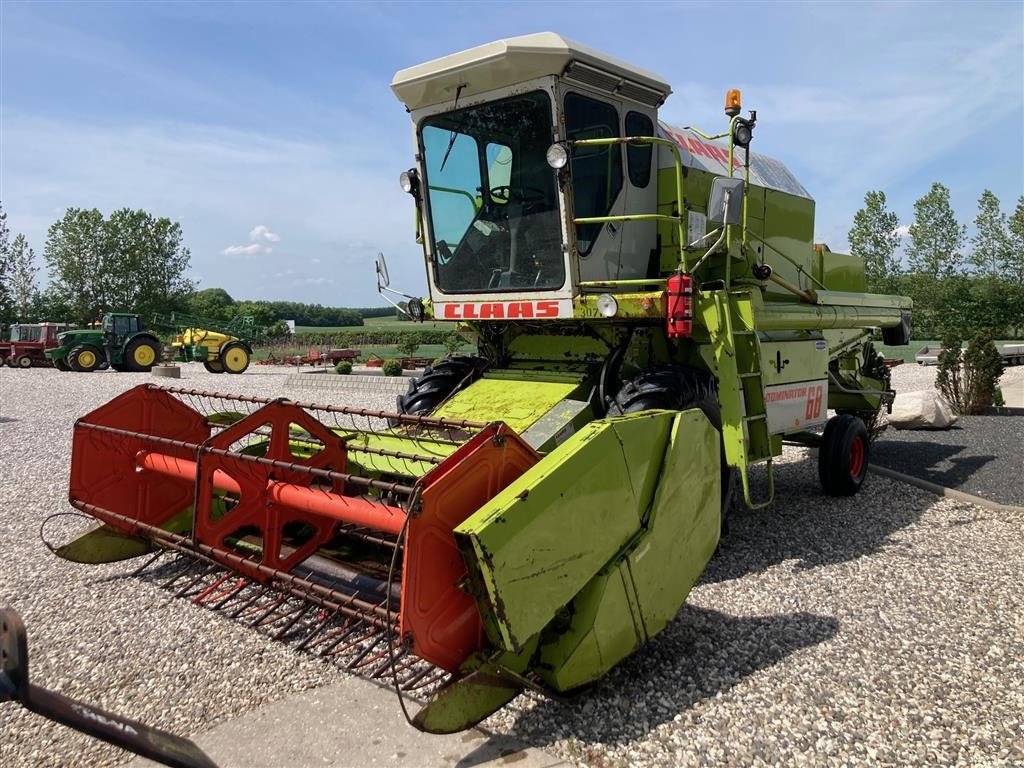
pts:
[23, 361]
[140, 355]
[438, 383]
[843, 456]
[213, 366]
[677, 388]
[85, 358]
[234, 357]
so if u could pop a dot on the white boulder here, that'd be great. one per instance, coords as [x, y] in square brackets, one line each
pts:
[926, 409]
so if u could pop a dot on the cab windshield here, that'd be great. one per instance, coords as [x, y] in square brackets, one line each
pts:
[491, 197]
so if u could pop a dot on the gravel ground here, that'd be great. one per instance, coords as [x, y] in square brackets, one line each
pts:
[979, 454]
[883, 629]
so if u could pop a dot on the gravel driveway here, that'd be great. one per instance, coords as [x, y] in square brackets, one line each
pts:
[886, 629]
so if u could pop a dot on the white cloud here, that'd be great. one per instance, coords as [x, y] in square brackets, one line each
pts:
[260, 238]
[244, 250]
[260, 234]
[902, 231]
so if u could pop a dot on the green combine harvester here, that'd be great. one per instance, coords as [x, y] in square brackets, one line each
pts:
[653, 320]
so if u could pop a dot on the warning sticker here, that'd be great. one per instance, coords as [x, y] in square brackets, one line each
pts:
[796, 406]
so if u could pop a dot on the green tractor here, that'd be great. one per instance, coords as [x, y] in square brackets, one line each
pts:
[120, 342]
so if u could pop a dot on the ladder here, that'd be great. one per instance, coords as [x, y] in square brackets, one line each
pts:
[741, 391]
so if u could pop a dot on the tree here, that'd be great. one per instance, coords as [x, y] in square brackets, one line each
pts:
[74, 248]
[145, 262]
[213, 303]
[6, 301]
[991, 242]
[873, 238]
[935, 236]
[1013, 267]
[22, 277]
[131, 261]
[934, 255]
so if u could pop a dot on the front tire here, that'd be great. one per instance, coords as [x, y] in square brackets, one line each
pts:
[438, 383]
[61, 364]
[213, 366]
[677, 388]
[843, 456]
[85, 358]
[23, 361]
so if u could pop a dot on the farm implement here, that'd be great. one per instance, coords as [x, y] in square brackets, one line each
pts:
[652, 321]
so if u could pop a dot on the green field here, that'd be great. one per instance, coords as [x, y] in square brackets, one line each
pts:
[381, 324]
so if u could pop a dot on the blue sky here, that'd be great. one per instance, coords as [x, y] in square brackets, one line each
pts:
[270, 131]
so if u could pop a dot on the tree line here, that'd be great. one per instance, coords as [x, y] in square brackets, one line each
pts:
[959, 285]
[129, 261]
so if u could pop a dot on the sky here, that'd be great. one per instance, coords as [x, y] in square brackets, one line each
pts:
[269, 131]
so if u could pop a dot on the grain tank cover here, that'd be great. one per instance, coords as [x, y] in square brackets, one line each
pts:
[520, 59]
[702, 154]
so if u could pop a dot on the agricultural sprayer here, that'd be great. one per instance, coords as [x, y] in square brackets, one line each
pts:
[652, 320]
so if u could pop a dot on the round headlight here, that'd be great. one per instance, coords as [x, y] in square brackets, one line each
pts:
[607, 305]
[742, 133]
[557, 156]
[405, 180]
[415, 309]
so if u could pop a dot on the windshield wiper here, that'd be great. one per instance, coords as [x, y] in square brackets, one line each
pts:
[456, 130]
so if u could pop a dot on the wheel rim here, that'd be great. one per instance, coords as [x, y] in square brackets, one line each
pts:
[25, 362]
[86, 359]
[857, 456]
[235, 359]
[144, 355]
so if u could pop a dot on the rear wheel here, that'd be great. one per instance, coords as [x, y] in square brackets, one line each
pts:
[438, 383]
[234, 357]
[141, 355]
[213, 366]
[677, 388]
[843, 456]
[85, 358]
[23, 361]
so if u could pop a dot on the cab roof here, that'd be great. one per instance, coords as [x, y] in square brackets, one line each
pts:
[518, 59]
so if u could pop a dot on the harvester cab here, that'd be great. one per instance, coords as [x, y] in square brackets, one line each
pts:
[651, 316]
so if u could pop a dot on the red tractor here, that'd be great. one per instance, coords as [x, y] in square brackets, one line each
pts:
[28, 340]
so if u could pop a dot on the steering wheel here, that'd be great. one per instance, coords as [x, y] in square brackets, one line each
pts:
[528, 196]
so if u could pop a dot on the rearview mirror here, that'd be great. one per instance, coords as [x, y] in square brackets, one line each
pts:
[725, 203]
[383, 281]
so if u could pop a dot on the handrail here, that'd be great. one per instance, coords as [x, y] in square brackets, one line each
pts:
[677, 158]
[454, 191]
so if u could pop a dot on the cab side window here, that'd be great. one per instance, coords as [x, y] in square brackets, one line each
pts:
[596, 171]
[638, 156]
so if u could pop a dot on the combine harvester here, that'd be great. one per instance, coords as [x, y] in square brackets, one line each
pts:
[652, 319]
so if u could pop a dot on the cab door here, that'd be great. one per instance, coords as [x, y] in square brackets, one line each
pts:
[611, 181]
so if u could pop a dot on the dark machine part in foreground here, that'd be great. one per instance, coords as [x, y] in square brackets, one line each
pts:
[161, 746]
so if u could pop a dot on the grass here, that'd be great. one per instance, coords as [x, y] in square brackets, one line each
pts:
[908, 352]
